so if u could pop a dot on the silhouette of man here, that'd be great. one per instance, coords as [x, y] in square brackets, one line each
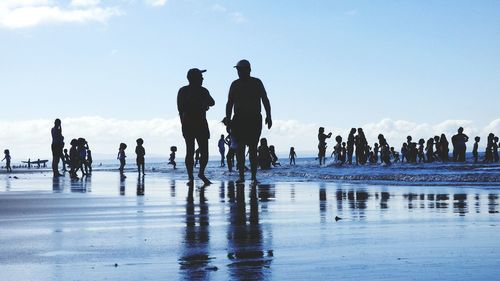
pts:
[245, 97]
[459, 146]
[193, 101]
[57, 147]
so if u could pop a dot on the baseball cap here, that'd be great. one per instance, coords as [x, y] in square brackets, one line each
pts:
[243, 64]
[193, 72]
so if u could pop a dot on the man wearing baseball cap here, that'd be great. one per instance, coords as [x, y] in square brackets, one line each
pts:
[193, 101]
[245, 97]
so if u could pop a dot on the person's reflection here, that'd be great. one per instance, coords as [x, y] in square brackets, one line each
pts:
[140, 185]
[122, 186]
[384, 199]
[78, 185]
[340, 196]
[172, 188]
[492, 203]
[442, 201]
[222, 192]
[460, 204]
[56, 184]
[195, 257]
[322, 203]
[249, 259]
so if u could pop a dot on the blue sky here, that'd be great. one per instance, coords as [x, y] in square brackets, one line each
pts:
[338, 63]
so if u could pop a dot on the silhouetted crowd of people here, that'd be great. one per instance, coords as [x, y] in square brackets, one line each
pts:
[434, 149]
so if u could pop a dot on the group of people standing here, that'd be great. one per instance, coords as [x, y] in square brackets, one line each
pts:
[434, 149]
[79, 157]
[244, 126]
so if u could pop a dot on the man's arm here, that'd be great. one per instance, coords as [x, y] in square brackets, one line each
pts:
[267, 107]
[229, 107]
[180, 105]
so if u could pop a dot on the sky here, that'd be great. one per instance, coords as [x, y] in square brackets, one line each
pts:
[111, 69]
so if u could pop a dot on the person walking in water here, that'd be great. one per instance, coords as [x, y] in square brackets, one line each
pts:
[245, 97]
[222, 150]
[322, 144]
[7, 160]
[193, 101]
[292, 156]
[57, 147]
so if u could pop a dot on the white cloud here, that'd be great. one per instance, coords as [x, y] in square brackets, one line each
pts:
[31, 138]
[156, 3]
[236, 17]
[84, 3]
[29, 13]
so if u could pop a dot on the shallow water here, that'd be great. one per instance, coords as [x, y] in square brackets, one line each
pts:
[157, 228]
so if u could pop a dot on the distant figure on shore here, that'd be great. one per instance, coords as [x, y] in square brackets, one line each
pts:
[274, 158]
[231, 151]
[264, 155]
[171, 160]
[443, 148]
[245, 97]
[140, 153]
[413, 151]
[193, 101]
[322, 144]
[496, 157]
[7, 160]
[459, 146]
[337, 150]
[222, 150]
[421, 151]
[74, 159]
[343, 153]
[394, 155]
[121, 156]
[67, 159]
[82, 151]
[57, 147]
[361, 147]
[430, 150]
[385, 153]
[404, 152]
[350, 145]
[292, 155]
[475, 148]
[488, 153]
[89, 161]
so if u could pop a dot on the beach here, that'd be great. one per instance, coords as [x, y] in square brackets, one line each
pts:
[157, 228]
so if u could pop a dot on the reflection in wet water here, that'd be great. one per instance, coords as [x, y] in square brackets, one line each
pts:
[249, 258]
[140, 185]
[122, 186]
[195, 258]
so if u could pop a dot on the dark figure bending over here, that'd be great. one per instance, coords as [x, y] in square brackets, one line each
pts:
[57, 147]
[245, 96]
[193, 101]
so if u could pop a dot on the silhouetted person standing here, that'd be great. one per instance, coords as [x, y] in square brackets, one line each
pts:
[350, 145]
[57, 147]
[193, 101]
[444, 150]
[322, 144]
[222, 150]
[140, 151]
[245, 97]
[459, 146]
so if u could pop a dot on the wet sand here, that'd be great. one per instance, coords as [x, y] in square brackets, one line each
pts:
[102, 228]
